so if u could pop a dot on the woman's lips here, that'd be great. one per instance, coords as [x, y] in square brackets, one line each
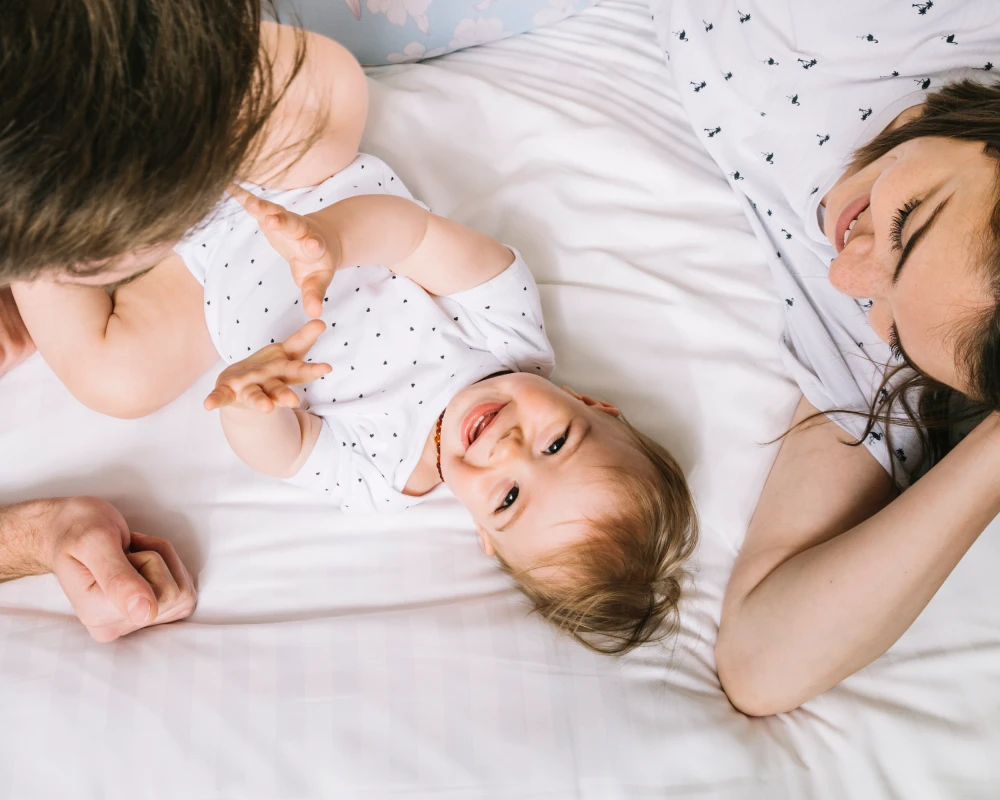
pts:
[477, 421]
[847, 216]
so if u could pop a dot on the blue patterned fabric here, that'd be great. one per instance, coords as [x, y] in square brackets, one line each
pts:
[394, 31]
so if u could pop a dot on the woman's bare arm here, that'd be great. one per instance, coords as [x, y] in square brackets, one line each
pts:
[835, 568]
[126, 354]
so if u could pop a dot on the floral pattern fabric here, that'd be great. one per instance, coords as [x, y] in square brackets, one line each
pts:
[396, 31]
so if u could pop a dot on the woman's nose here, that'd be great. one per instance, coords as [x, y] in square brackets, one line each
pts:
[859, 272]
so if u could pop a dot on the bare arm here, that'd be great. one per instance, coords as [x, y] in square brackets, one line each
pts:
[277, 443]
[125, 355]
[440, 255]
[834, 570]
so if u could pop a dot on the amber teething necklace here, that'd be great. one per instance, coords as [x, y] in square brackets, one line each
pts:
[437, 444]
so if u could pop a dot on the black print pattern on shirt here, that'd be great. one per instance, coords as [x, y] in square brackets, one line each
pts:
[909, 49]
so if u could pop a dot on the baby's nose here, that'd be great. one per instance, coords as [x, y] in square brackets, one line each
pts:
[508, 447]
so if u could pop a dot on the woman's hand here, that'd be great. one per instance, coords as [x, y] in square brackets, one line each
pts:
[312, 253]
[261, 381]
[15, 341]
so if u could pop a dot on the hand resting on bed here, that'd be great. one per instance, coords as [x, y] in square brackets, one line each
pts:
[118, 581]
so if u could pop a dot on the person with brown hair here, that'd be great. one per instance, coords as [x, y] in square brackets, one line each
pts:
[596, 522]
[863, 140]
[122, 125]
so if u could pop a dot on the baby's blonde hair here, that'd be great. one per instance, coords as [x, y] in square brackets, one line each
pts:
[620, 587]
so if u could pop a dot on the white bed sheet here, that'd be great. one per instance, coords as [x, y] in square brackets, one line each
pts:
[385, 656]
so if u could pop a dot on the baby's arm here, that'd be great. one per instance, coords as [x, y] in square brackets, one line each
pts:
[442, 256]
[128, 354]
[259, 416]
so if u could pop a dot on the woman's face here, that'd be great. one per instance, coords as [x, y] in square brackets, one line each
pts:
[909, 232]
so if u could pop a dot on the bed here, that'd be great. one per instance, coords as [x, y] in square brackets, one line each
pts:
[385, 656]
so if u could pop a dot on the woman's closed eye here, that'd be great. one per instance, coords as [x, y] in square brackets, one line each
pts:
[557, 445]
[508, 499]
[898, 221]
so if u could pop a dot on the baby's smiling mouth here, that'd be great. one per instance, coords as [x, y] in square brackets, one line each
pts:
[478, 420]
[482, 424]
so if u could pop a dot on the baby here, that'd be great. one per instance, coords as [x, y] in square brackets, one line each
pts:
[433, 368]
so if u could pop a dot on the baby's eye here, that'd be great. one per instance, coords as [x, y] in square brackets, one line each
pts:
[508, 501]
[557, 445]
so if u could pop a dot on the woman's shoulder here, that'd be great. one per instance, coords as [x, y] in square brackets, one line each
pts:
[317, 125]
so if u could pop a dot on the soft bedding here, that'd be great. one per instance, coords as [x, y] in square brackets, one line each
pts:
[384, 656]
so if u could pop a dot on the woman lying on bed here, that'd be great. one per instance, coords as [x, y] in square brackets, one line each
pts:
[871, 175]
[123, 125]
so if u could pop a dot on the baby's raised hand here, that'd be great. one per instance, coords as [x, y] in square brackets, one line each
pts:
[260, 382]
[312, 255]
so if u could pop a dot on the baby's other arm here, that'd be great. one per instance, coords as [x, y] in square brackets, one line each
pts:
[259, 414]
[126, 354]
[442, 256]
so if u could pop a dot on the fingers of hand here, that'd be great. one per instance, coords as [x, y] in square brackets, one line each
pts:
[220, 396]
[121, 585]
[299, 343]
[252, 396]
[239, 194]
[162, 568]
[182, 576]
[291, 226]
[314, 286]
[280, 394]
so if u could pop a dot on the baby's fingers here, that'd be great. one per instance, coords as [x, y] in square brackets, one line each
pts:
[252, 396]
[220, 396]
[299, 343]
[314, 286]
[298, 372]
[280, 394]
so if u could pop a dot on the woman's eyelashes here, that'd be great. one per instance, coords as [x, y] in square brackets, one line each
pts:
[508, 499]
[898, 221]
[894, 348]
[558, 444]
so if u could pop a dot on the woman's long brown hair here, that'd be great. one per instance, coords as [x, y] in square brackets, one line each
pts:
[968, 111]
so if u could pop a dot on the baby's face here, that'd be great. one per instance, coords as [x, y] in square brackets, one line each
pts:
[526, 458]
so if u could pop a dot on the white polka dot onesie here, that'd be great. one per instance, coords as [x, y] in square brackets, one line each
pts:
[399, 354]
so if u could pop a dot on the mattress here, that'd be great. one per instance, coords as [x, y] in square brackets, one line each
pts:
[385, 656]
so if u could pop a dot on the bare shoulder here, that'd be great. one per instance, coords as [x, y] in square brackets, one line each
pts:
[326, 101]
